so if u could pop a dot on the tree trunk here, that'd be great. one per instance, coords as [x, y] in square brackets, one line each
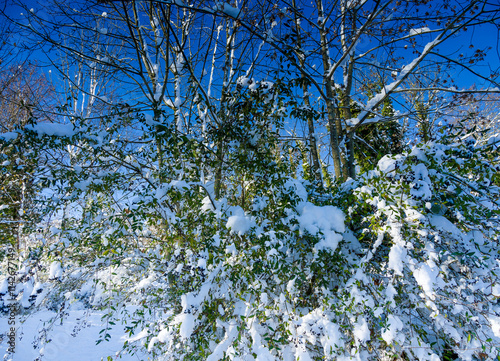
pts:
[313, 147]
[333, 123]
[350, 170]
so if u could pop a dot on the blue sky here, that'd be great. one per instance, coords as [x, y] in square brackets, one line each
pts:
[480, 37]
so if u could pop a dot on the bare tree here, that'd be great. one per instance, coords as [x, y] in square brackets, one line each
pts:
[345, 40]
[25, 93]
[177, 64]
[179, 61]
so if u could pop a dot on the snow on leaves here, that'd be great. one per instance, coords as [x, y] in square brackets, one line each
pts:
[403, 260]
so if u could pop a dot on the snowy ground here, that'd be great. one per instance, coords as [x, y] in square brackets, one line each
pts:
[74, 340]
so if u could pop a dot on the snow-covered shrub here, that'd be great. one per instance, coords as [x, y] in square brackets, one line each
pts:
[411, 271]
[401, 262]
[428, 222]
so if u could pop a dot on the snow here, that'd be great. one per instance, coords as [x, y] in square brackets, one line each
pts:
[388, 164]
[187, 324]
[495, 290]
[53, 129]
[361, 331]
[258, 347]
[397, 258]
[493, 140]
[56, 270]
[328, 220]
[230, 335]
[73, 339]
[253, 85]
[27, 291]
[314, 326]
[376, 99]
[390, 292]
[158, 94]
[495, 324]
[421, 186]
[297, 188]
[239, 222]
[9, 136]
[4, 286]
[145, 283]
[443, 224]
[426, 277]
[387, 89]
[229, 10]
[414, 32]
[355, 3]
[244, 81]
